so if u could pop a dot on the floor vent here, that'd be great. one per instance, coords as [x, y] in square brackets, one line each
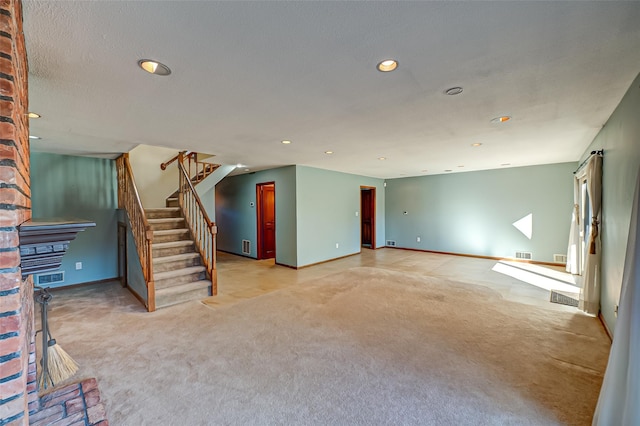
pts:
[246, 247]
[523, 255]
[391, 243]
[560, 258]
[50, 278]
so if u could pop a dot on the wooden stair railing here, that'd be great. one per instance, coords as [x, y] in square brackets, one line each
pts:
[202, 228]
[196, 170]
[129, 200]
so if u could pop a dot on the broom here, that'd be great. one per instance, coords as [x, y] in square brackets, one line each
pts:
[57, 365]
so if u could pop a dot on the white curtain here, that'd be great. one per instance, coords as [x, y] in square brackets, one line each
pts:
[619, 402]
[573, 251]
[590, 292]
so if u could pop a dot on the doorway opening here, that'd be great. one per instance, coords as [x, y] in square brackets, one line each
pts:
[266, 215]
[122, 254]
[368, 217]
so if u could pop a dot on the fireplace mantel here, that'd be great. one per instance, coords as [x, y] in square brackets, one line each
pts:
[43, 242]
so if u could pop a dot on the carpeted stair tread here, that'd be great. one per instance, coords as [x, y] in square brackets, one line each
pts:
[170, 231]
[178, 272]
[172, 244]
[166, 220]
[166, 212]
[175, 257]
[163, 210]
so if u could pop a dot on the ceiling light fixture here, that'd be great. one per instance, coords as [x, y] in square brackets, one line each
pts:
[476, 144]
[154, 67]
[505, 164]
[461, 166]
[34, 137]
[33, 115]
[448, 170]
[453, 91]
[382, 158]
[387, 65]
[328, 152]
[286, 142]
[424, 171]
[501, 119]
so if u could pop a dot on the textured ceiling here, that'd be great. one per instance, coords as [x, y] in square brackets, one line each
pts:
[247, 75]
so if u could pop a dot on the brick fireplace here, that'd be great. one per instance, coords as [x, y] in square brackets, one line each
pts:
[17, 361]
[20, 403]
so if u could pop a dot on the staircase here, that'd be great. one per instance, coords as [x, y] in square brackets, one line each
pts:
[178, 272]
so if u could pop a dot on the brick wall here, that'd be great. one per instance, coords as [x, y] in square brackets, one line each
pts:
[16, 296]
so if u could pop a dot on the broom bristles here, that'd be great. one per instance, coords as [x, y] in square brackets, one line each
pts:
[60, 365]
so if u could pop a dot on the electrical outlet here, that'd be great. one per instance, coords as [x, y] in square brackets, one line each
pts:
[78, 266]
[357, 213]
[337, 245]
[418, 239]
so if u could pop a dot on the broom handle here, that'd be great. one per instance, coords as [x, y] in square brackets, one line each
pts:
[45, 297]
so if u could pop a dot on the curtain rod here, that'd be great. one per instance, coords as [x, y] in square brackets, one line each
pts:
[599, 152]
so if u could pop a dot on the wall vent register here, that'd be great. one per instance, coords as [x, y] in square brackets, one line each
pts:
[524, 255]
[246, 247]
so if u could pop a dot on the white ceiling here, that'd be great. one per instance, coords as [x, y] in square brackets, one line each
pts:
[247, 75]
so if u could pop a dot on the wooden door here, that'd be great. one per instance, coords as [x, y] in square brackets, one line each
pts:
[266, 211]
[368, 209]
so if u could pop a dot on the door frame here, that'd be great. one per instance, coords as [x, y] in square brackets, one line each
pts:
[259, 207]
[373, 215]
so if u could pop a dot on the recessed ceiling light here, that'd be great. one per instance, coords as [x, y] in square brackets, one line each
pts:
[505, 164]
[501, 119]
[382, 158]
[34, 137]
[246, 170]
[33, 115]
[453, 91]
[425, 170]
[460, 166]
[387, 65]
[154, 67]
[286, 142]
[328, 152]
[476, 144]
[448, 170]
[240, 165]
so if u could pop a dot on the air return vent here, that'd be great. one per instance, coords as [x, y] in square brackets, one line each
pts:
[246, 247]
[391, 243]
[50, 278]
[523, 255]
[560, 258]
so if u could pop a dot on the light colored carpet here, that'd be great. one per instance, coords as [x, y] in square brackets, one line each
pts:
[365, 346]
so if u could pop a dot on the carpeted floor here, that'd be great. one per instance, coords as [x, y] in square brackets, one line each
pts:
[365, 346]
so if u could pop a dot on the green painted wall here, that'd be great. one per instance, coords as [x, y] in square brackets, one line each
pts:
[327, 203]
[620, 139]
[84, 188]
[473, 212]
[236, 217]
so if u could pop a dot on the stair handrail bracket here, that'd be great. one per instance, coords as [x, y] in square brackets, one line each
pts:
[129, 201]
[202, 228]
